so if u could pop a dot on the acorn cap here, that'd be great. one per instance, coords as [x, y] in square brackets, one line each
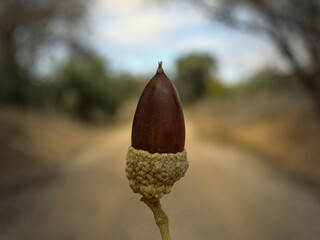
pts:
[158, 125]
[153, 174]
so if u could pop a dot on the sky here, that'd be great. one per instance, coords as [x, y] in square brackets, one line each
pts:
[135, 34]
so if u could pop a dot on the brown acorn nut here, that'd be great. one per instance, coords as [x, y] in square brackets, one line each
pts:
[158, 124]
[157, 158]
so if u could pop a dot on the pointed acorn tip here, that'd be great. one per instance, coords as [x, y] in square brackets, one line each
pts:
[160, 69]
[158, 123]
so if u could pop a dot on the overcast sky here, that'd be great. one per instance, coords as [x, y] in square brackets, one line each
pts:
[135, 34]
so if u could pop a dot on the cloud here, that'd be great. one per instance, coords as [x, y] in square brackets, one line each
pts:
[135, 34]
[248, 56]
[138, 26]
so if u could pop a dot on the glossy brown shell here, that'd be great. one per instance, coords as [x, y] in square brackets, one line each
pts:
[158, 125]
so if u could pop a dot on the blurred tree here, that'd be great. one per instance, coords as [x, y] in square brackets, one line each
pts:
[271, 80]
[130, 86]
[293, 26]
[26, 27]
[84, 88]
[215, 88]
[193, 74]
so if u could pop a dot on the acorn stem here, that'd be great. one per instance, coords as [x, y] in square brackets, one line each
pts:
[160, 217]
[160, 69]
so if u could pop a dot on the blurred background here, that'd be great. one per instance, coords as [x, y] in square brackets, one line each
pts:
[248, 74]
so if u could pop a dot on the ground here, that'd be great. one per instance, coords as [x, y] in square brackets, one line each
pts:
[228, 193]
[283, 126]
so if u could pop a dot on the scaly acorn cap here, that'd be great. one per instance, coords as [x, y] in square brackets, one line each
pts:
[157, 158]
[158, 125]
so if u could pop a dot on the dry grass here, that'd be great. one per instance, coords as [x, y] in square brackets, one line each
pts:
[282, 126]
[33, 144]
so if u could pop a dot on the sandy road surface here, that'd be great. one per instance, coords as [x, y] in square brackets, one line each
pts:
[227, 194]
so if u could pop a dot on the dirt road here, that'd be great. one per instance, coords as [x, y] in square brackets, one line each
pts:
[227, 193]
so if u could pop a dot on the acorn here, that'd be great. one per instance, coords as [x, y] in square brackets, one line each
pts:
[156, 158]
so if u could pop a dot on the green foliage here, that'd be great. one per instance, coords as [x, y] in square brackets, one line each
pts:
[193, 75]
[265, 81]
[85, 90]
[270, 80]
[8, 85]
[82, 87]
[23, 90]
[215, 88]
[129, 86]
[23, 35]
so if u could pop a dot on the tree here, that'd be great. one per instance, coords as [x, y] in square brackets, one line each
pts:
[84, 87]
[193, 74]
[26, 27]
[293, 26]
